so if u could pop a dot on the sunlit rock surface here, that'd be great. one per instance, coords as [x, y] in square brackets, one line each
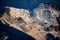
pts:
[36, 26]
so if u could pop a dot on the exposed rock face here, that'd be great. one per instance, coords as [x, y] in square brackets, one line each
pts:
[44, 16]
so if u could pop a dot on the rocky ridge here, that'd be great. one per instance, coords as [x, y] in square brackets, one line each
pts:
[34, 26]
